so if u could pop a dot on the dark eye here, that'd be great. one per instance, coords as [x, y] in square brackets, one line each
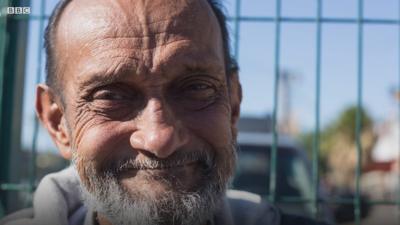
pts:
[109, 95]
[199, 91]
[198, 87]
[115, 101]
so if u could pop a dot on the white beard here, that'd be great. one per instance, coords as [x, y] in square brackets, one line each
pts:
[179, 208]
[109, 198]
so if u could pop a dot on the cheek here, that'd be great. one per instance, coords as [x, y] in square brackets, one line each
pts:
[92, 133]
[212, 125]
[101, 143]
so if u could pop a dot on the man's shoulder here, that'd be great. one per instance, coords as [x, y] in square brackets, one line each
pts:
[21, 214]
[249, 208]
[56, 198]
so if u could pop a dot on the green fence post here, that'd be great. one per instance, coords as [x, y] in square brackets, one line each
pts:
[33, 168]
[357, 202]
[4, 143]
[3, 153]
[316, 141]
[12, 55]
[273, 160]
[237, 29]
[2, 213]
[3, 43]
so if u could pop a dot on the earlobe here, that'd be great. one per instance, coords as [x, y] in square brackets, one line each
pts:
[63, 136]
[52, 117]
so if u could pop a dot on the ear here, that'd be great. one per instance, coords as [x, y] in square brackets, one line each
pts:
[236, 99]
[52, 117]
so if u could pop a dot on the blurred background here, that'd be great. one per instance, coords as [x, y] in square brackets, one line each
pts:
[319, 133]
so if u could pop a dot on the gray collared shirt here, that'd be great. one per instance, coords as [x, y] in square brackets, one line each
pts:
[57, 201]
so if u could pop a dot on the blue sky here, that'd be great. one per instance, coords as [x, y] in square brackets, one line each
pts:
[339, 58]
[256, 60]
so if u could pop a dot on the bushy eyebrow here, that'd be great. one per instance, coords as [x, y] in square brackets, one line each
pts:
[103, 77]
[99, 79]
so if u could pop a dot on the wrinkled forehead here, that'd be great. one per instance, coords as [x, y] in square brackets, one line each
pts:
[84, 21]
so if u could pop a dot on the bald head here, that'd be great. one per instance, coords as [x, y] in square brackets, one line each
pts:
[75, 25]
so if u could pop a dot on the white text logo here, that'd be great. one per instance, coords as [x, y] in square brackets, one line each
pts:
[18, 10]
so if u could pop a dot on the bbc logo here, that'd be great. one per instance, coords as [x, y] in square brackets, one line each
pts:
[18, 10]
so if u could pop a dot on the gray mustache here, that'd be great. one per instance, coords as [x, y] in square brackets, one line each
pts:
[178, 159]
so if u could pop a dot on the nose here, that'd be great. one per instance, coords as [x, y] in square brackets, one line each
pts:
[158, 131]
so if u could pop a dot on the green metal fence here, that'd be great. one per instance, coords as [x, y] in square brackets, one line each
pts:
[237, 19]
[360, 21]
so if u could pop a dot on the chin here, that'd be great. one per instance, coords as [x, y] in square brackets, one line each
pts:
[152, 202]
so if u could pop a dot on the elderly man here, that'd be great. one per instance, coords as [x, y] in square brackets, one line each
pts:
[143, 97]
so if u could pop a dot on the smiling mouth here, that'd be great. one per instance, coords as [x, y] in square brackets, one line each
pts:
[162, 167]
[167, 172]
[165, 167]
[185, 164]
